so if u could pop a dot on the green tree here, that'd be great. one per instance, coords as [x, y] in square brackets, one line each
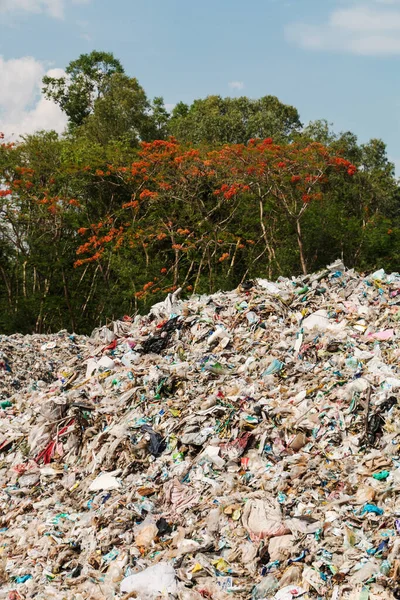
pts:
[160, 120]
[122, 113]
[88, 79]
[354, 218]
[215, 120]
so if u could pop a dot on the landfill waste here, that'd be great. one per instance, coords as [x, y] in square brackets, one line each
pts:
[36, 360]
[239, 445]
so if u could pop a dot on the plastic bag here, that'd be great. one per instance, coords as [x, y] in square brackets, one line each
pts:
[150, 583]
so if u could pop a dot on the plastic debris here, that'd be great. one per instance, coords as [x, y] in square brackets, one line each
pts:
[105, 481]
[152, 582]
[239, 445]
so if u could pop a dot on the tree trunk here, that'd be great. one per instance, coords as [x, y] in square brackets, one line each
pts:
[8, 286]
[265, 236]
[301, 249]
[68, 303]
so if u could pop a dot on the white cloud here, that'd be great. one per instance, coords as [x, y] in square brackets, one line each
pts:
[169, 106]
[236, 85]
[368, 29]
[365, 18]
[54, 8]
[23, 109]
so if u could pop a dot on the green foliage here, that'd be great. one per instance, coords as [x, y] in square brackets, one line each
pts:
[88, 79]
[215, 120]
[95, 224]
[160, 120]
[121, 114]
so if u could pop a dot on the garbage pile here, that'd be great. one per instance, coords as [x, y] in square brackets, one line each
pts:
[240, 445]
[35, 358]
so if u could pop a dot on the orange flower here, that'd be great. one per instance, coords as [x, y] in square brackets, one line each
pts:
[352, 170]
[148, 194]
[132, 204]
[165, 186]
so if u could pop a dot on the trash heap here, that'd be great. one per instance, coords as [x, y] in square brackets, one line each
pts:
[240, 445]
[25, 359]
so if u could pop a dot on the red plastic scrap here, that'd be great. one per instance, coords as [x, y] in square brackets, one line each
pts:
[48, 452]
[111, 346]
[238, 446]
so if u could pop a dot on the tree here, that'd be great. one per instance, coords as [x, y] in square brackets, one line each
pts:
[88, 79]
[186, 206]
[288, 177]
[355, 216]
[121, 113]
[137, 223]
[344, 143]
[110, 216]
[216, 120]
[47, 193]
[160, 120]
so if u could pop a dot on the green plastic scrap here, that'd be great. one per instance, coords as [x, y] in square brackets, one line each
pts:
[55, 520]
[302, 290]
[275, 366]
[381, 476]
[5, 404]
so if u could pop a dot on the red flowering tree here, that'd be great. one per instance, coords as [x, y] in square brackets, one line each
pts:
[287, 177]
[187, 205]
[166, 191]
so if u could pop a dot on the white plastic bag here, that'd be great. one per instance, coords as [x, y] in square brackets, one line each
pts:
[151, 582]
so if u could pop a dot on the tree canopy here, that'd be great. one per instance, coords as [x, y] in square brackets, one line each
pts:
[87, 80]
[215, 120]
[134, 201]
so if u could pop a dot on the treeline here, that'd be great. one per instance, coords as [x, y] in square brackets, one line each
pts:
[134, 201]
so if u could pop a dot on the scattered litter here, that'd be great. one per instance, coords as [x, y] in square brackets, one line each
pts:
[239, 445]
[150, 583]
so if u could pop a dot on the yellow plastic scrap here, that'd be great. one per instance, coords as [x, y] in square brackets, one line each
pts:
[221, 565]
[175, 412]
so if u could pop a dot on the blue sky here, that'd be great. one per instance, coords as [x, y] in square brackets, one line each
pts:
[331, 59]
